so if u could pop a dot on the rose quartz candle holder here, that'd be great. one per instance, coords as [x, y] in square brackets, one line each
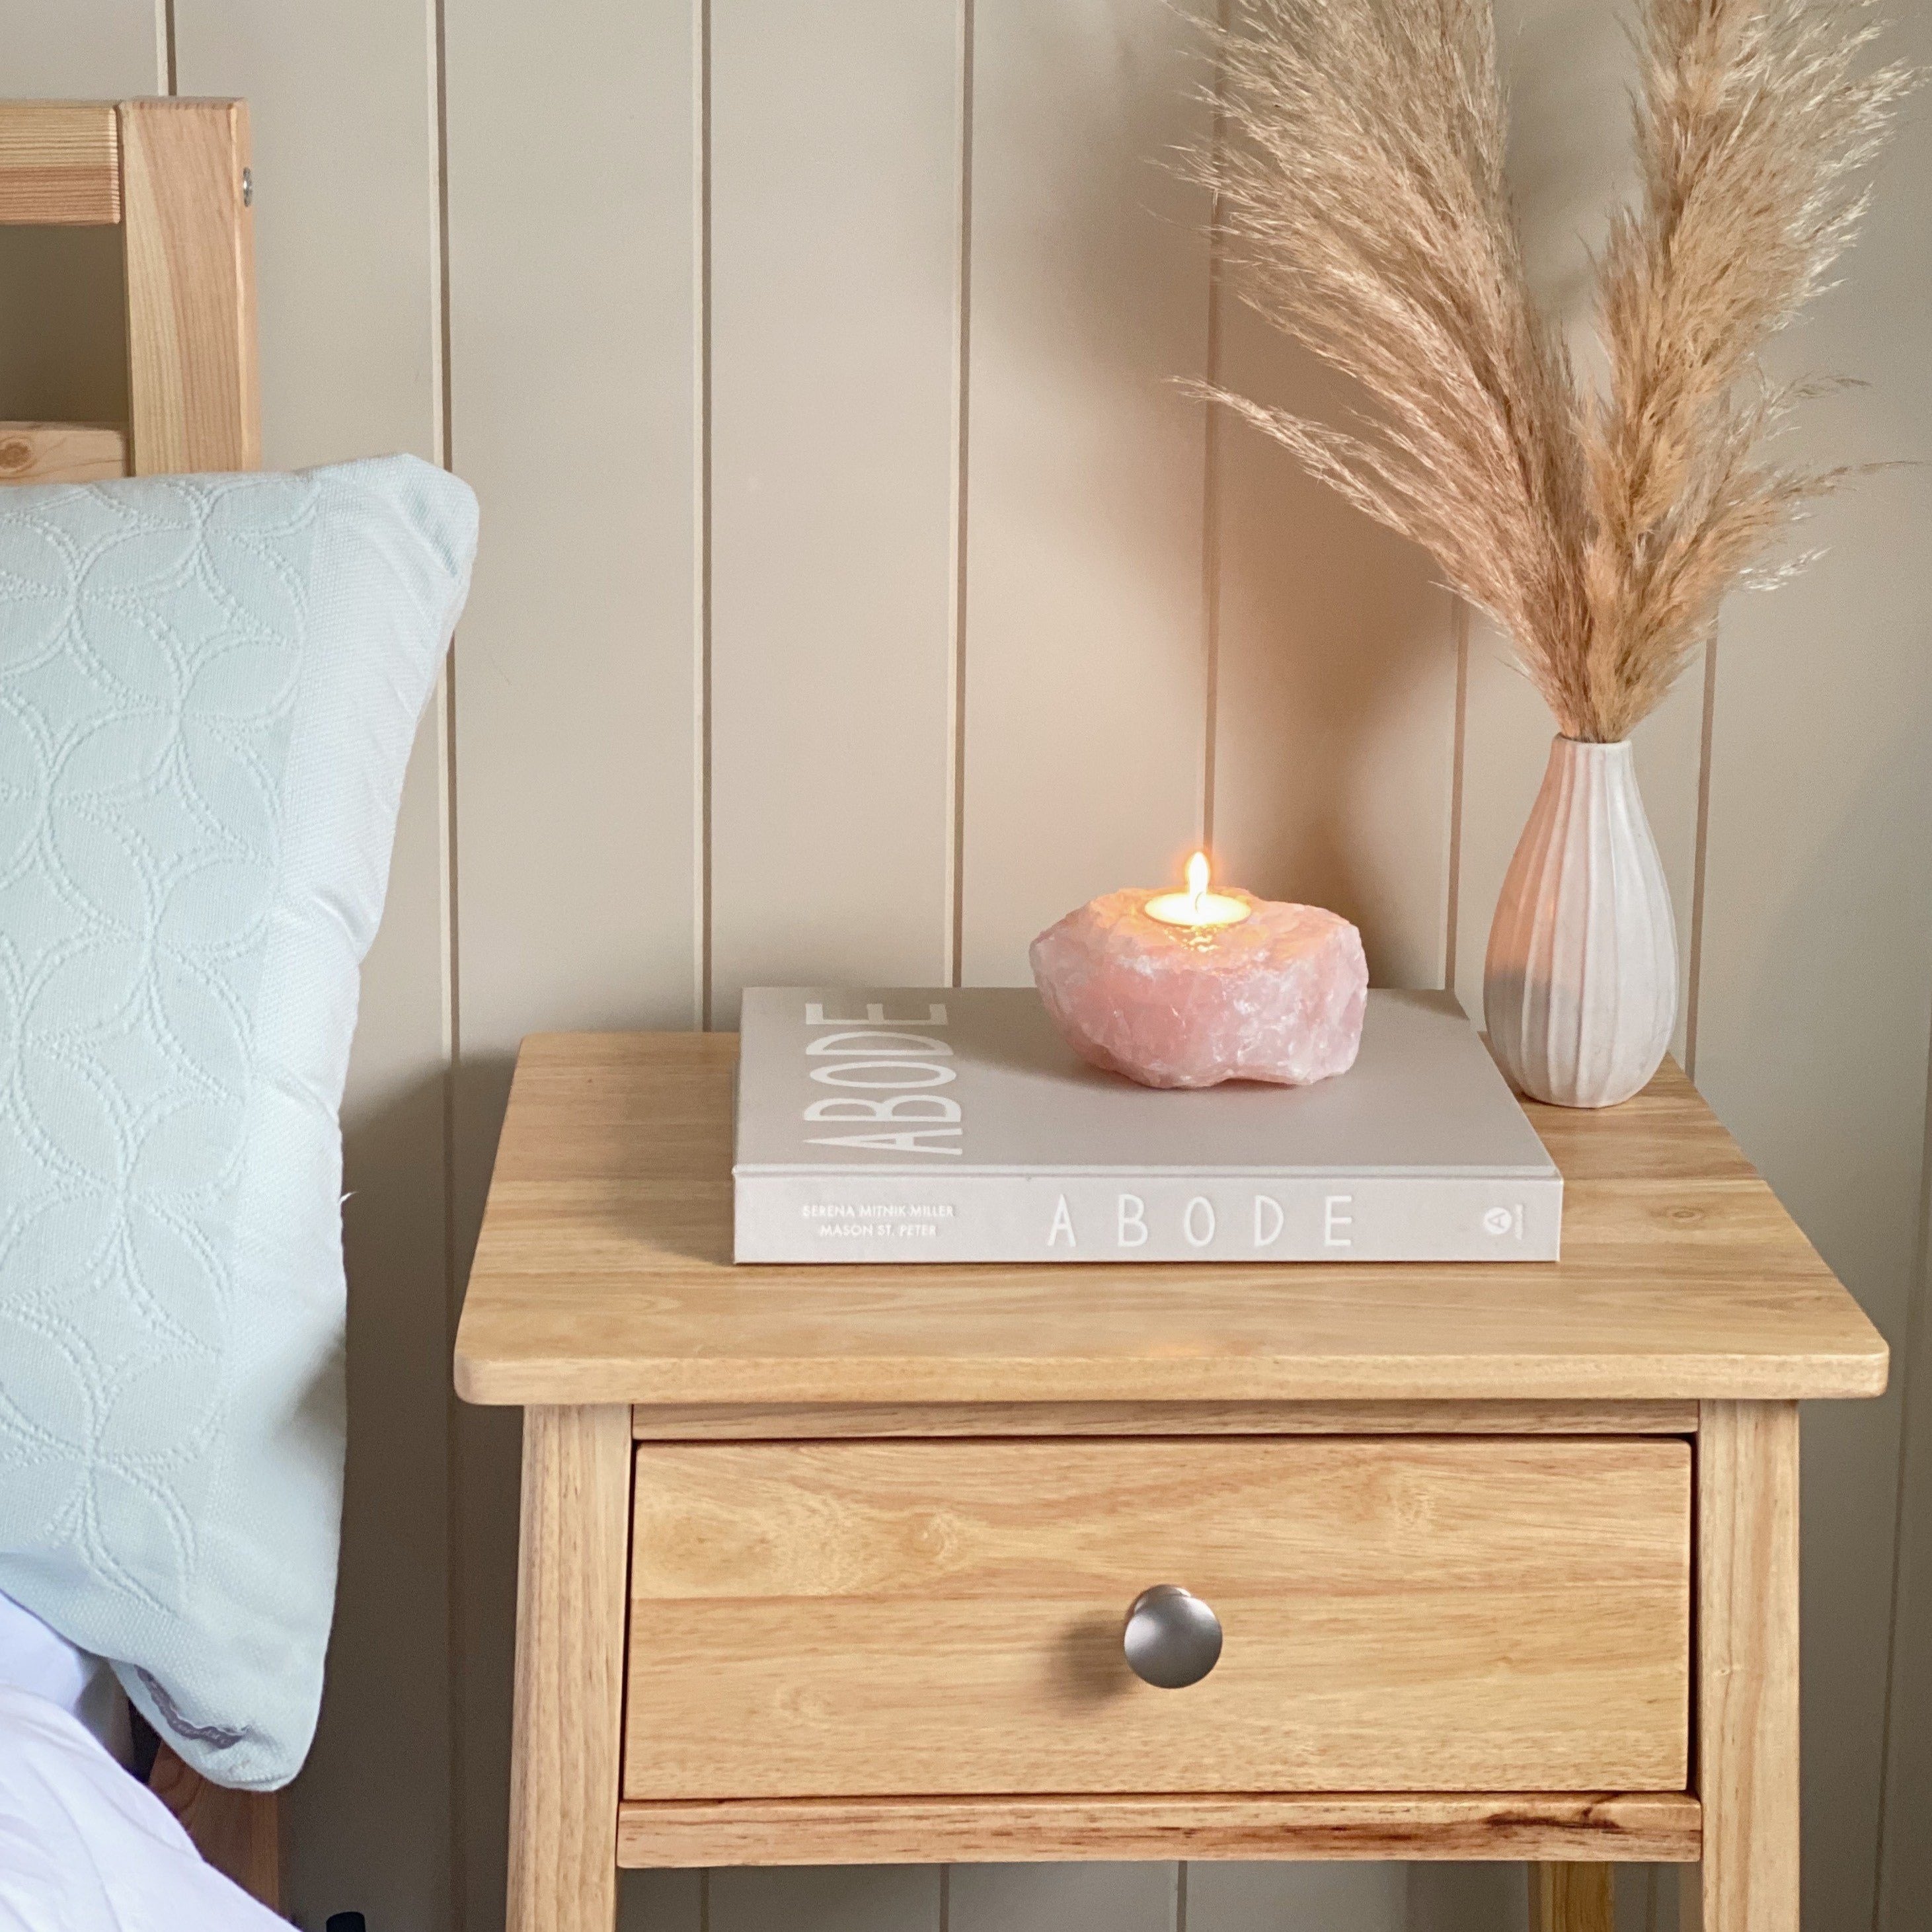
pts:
[1278, 996]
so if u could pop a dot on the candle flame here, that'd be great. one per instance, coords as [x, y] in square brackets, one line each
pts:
[1203, 912]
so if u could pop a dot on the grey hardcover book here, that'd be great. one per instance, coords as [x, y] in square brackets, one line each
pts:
[898, 1125]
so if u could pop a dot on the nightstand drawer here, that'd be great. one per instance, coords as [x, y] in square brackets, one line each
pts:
[929, 1618]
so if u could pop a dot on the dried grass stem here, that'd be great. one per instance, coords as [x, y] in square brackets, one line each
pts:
[1364, 212]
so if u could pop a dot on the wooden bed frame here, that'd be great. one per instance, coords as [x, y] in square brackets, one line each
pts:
[172, 175]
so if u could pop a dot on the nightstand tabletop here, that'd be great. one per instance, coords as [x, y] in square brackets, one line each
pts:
[603, 1274]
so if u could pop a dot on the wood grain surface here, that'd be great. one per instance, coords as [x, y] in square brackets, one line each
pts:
[1571, 1898]
[39, 452]
[604, 1275]
[59, 163]
[569, 1675]
[1747, 1760]
[194, 387]
[1660, 1827]
[831, 1619]
[778, 1422]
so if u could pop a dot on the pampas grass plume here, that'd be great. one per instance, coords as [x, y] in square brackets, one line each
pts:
[1361, 209]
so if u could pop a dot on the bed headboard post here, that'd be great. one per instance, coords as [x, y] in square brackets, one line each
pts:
[173, 176]
[193, 391]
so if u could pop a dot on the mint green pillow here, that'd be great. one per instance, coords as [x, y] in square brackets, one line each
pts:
[209, 686]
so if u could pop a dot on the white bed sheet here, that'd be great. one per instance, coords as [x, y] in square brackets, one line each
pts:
[34, 1657]
[84, 1846]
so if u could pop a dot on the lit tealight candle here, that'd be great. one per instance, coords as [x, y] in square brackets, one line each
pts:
[1197, 907]
[1186, 988]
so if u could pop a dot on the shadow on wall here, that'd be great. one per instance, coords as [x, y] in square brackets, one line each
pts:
[64, 352]
[488, 1455]
[424, 1567]
[390, 1635]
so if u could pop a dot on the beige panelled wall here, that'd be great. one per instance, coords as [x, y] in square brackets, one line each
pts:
[1084, 628]
[831, 296]
[859, 591]
[572, 190]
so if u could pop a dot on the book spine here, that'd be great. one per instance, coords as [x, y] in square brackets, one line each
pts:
[879, 1217]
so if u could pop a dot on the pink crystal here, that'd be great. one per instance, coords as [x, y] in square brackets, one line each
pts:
[1278, 996]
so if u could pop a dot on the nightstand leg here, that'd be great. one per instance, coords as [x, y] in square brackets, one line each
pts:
[1571, 1898]
[1746, 1640]
[571, 1574]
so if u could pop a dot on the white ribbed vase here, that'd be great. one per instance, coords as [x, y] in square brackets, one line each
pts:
[1579, 989]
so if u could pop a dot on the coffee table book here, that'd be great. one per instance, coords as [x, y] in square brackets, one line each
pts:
[909, 1125]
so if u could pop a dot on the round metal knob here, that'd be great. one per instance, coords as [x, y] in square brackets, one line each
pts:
[1171, 1638]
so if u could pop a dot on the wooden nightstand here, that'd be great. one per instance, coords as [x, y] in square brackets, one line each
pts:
[829, 1564]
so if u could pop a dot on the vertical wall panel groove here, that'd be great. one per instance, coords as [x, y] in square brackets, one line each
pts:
[1085, 675]
[1459, 633]
[1903, 1877]
[700, 754]
[439, 161]
[1210, 582]
[962, 396]
[449, 977]
[573, 383]
[1694, 965]
[456, 1621]
[1211, 431]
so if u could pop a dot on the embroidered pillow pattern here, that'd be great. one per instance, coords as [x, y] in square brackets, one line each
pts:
[182, 920]
[149, 662]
